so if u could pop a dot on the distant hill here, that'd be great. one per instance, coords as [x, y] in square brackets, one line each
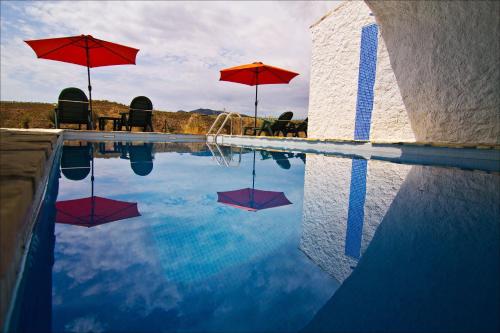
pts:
[206, 112]
[209, 112]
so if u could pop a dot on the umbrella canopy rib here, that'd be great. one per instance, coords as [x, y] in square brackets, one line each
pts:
[114, 52]
[60, 47]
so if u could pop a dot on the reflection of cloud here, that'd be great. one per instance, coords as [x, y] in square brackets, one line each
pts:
[124, 269]
[85, 324]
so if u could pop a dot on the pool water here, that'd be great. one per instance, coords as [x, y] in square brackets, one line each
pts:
[274, 242]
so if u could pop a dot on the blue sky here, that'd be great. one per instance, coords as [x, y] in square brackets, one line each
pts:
[183, 45]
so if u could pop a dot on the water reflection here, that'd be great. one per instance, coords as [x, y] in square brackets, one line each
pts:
[253, 199]
[375, 246]
[140, 155]
[75, 160]
[416, 247]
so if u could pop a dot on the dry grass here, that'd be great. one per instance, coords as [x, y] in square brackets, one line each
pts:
[41, 115]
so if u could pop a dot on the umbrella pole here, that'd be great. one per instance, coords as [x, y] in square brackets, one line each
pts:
[253, 172]
[90, 100]
[90, 86]
[253, 182]
[255, 114]
[92, 188]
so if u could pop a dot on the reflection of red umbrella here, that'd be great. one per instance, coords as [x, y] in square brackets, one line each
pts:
[84, 50]
[254, 74]
[251, 199]
[92, 211]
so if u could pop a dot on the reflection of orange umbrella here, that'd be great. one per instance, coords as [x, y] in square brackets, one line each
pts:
[252, 199]
[254, 74]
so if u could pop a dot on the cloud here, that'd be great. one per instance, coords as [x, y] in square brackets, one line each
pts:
[183, 45]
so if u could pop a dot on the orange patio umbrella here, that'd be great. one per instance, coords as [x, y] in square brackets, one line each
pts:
[255, 74]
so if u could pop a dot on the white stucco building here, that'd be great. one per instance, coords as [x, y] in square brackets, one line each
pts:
[406, 71]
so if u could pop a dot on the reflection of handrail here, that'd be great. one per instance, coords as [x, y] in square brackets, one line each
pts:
[221, 159]
[227, 116]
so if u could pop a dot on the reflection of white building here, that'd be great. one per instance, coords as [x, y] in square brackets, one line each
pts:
[344, 202]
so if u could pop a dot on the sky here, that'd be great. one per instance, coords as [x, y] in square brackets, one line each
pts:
[183, 45]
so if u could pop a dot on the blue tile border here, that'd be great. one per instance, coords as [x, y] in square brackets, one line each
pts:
[366, 81]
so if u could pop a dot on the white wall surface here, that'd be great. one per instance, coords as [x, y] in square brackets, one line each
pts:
[446, 59]
[334, 80]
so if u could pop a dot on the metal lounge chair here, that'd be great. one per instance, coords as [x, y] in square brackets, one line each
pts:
[140, 114]
[273, 128]
[73, 108]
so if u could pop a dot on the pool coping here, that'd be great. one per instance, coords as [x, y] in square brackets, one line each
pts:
[131, 136]
[32, 217]
[473, 156]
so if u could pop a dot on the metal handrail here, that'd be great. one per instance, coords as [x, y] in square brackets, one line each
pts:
[221, 159]
[228, 116]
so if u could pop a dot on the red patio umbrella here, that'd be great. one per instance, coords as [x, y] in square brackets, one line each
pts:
[252, 199]
[84, 50]
[255, 74]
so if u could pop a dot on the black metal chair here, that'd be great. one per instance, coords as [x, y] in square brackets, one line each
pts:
[140, 114]
[273, 128]
[73, 108]
[295, 129]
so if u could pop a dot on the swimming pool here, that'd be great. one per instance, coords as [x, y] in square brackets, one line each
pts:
[260, 241]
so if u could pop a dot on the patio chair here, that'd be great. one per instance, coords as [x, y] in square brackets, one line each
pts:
[140, 114]
[75, 161]
[273, 128]
[295, 129]
[73, 108]
[141, 158]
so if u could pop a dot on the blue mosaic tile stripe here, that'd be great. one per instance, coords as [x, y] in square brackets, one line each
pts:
[366, 81]
[356, 213]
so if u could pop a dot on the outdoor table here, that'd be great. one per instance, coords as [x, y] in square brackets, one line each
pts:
[124, 119]
[117, 124]
[251, 128]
